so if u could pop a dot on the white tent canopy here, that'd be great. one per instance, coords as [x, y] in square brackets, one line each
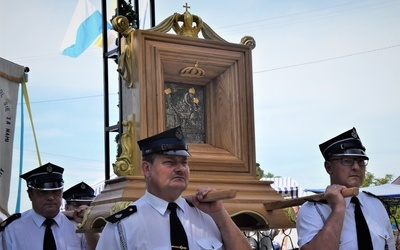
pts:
[386, 190]
[287, 186]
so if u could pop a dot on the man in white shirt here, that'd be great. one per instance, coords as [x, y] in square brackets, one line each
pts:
[332, 225]
[28, 230]
[146, 223]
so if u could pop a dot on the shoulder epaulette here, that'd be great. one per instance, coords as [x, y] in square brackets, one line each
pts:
[9, 220]
[371, 194]
[122, 214]
[190, 204]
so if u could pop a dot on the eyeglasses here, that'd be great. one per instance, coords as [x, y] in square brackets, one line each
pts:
[348, 161]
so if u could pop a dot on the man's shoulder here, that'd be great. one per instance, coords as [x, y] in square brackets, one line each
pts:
[370, 195]
[122, 214]
[9, 220]
[312, 204]
[372, 199]
[311, 210]
[190, 204]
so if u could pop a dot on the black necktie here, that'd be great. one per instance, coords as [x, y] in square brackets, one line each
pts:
[363, 235]
[49, 243]
[178, 236]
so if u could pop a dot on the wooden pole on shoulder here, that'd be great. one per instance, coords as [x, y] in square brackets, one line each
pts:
[347, 192]
[215, 195]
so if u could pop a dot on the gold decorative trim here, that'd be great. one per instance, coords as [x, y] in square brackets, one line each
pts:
[118, 206]
[259, 171]
[193, 71]
[121, 25]
[124, 164]
[249, 41]
[85, 217]
[187, 28]
[290, 214]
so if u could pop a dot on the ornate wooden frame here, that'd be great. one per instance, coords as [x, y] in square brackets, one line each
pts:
[226, 160]
[227, 81]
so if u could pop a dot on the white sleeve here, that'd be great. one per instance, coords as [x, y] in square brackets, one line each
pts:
[308, 223]
[111, 237]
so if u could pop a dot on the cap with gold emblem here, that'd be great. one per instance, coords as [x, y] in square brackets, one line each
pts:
[80, 192]
[345, 144]
[170, 142]
[46, 177]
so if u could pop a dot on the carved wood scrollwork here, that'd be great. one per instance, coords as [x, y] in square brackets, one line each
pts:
[121, 25]
[124, 165]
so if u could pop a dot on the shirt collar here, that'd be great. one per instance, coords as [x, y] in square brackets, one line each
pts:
[361, 197]
[38, 219]
[161, 205]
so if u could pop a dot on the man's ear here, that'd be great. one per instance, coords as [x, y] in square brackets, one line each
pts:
[146, 168]
[328, 167]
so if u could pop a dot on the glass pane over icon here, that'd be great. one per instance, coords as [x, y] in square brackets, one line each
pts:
[184, 106]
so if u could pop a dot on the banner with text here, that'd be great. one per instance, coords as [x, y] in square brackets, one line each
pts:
[10, 76]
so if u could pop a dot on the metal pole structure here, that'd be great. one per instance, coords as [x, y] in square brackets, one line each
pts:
[105, 93]
[106, 54]
[120, 82]
[153, 13]
[136, 7]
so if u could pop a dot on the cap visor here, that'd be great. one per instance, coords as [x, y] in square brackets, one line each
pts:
[175, 152]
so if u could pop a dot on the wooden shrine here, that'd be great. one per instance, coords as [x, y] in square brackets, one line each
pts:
[205, 85]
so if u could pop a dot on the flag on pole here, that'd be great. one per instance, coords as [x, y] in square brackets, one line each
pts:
[10, 76]
[84, 28]
[112, 35]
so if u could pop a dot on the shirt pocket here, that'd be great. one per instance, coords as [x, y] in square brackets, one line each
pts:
[383, 234]
[209, 243]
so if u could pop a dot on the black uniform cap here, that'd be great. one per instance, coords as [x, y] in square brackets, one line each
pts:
[170, 142]
[46, 177]
[345, 144]
[81, 192]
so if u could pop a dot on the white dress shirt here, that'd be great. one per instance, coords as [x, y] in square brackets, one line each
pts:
[28, 231]
[309, 223]
[148, 228]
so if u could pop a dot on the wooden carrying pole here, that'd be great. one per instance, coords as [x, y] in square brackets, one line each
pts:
[347, 192]
[215, 195]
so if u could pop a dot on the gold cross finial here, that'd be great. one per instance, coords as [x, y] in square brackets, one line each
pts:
[186, 6]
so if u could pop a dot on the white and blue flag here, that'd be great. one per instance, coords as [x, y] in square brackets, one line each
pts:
[84, 28]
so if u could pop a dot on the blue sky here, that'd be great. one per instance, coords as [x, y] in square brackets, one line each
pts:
[319, 69]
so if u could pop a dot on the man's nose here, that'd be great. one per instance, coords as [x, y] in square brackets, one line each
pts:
[355, 165]
[50, 197]
[180, 166]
